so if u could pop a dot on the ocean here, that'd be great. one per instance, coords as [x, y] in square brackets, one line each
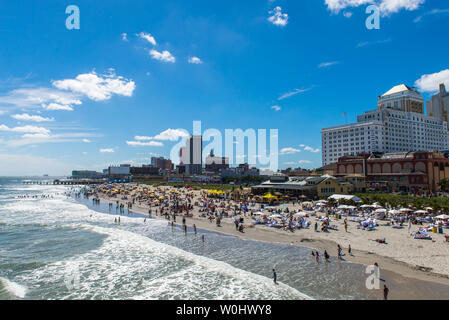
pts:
[59, 247]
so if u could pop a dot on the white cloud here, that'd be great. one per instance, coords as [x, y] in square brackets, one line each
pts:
[86, 141]
[167, 135]
[431, 12]
[27, 117]
[347, 14]
[164, 56]
[289, 151]
[142, 144]
[298, 162]
[35, 136]
[97, 87]
[292, 93]
[56, 106]
[431, 82]
[107, 150]
[308, 148]
[35, 97]
[195, 60]
[328, 64]
[276, 108]
[171, 135]
[68, 92]
[277, 17]
[124, 36]
[148, 37]
[387, 7]
[143, 138]
[25, 129]
[369, 43]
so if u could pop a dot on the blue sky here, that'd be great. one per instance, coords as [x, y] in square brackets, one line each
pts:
[225, 63]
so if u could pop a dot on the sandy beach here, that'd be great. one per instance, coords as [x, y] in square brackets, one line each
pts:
[414, 269]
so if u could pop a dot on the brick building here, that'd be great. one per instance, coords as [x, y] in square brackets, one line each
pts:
[400, 171]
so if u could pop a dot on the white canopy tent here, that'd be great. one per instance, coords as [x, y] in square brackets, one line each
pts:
[339, 197]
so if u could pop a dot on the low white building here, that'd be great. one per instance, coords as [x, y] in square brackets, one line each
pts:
[393, 127]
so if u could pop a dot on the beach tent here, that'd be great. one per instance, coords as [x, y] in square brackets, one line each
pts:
[421, 211]
[300, 214]
[339, 197]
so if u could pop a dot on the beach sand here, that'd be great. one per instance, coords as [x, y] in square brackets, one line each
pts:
[413, 269]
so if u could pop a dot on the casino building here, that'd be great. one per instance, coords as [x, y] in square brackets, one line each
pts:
[397, 125]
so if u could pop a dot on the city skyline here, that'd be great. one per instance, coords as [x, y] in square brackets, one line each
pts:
[119, 89]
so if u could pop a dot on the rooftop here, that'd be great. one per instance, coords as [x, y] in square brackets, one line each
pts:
[397, 89]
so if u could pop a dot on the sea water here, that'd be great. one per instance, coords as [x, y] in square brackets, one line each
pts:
[66, 248]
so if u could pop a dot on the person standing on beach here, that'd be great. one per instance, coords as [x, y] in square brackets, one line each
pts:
[386, 290]
[316, 226]
[194, 228]
[275, 277]
[350, 250]
[202, 239]
[346, 225]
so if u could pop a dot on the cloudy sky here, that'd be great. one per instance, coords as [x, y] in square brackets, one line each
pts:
[121, 87]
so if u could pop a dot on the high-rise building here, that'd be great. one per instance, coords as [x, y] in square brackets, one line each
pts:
[192, 155]
[402, 98]
[215, 163]
[161, 163]
[438, 106]
[398, 125]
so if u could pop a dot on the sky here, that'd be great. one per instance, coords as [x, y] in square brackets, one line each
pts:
[120, 88]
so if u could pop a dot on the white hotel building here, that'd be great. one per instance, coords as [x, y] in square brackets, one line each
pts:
[398, 125]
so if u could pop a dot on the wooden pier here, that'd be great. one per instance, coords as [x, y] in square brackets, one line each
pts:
[68, 182]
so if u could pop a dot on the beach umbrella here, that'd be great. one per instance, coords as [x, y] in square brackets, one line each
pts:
[275, 216]
[442, 216]
[421, 211]
[300, 214]
[405, 210]
[381, 210]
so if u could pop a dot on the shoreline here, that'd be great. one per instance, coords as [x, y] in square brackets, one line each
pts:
[404, 280]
